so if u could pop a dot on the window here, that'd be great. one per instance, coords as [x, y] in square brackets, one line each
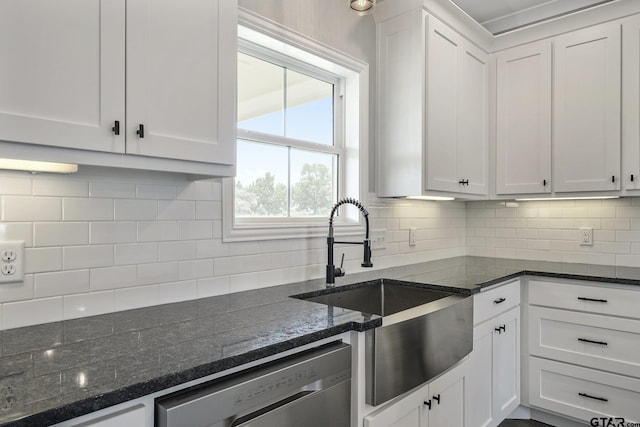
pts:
[301, 135]
[289, 152]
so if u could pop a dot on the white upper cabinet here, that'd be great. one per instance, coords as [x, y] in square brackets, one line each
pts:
[523, 132]
[181, 58]
[63, 73]
[432, 110]
[456, 116]
[586, 103]
[64, 82]
[631, 104]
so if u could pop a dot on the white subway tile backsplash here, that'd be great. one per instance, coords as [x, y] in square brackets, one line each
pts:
[32, 312]
[159, 192]
[63, 187]
[212, 248]
[27, 208]
[208, 209]
[213, 286]
[136, 253]
[61, 283]
[89, 304]
[17, 231]
[114, 190]
[138, 297]
[113, 277]
[176, 292]
[85, 209]
[195, 269]
[149, 274]
[17, 291]
[15, 185]
[77, 257]
[157, 231]
[126, 209]
[193, 230]
[177, 251]
[37, 260]
[113, 232]
[197, 190]
[60, 233]
[176, 209]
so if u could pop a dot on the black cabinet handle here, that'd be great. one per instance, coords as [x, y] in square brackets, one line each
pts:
[613, 178]
[499, 300]
[544, 182]
[428, 403]
[592, 342]
[116, 127]
[497, 329]
[140, 131]
[602, 399]
[592, 299]
[500, 329]
[436, 398]
[463, 182]
[632, 178]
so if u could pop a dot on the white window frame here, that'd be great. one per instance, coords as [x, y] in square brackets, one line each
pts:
[351, 127]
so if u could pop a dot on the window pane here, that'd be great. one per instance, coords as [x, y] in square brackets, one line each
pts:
[309, 114]
[260, 95]
[261, 180]
[313, 183]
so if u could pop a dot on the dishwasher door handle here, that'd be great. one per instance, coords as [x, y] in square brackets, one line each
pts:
[272, 407]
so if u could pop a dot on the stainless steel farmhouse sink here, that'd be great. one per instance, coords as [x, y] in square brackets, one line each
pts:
[424, 332]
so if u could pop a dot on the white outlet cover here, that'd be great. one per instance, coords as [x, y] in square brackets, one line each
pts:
[11, 261]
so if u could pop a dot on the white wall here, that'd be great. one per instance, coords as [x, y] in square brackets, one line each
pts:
[548, 230]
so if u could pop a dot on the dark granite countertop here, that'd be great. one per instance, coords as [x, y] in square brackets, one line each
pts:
[57, 371]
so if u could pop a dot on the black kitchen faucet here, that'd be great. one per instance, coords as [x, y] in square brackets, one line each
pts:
[332, 270]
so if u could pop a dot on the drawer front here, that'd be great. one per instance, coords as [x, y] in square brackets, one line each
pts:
[495, 301]
[601, 342]
[582, 393]
[595, 298]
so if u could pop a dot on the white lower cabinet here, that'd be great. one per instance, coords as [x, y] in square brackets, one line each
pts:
[440, 403]
[494, 381]
[583, 393]
[584, 347]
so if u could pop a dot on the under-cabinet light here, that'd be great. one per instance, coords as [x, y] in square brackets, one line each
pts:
[436, 198]
[533, 199]
[35, 166]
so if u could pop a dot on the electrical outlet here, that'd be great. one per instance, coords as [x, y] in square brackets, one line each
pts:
[11, 261]
[586, 236]
[412, 236]
[378, 239]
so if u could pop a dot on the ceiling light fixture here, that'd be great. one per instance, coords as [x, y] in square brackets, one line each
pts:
[362, 7]
[33, 166]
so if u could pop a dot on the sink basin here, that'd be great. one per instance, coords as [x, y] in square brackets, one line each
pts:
[382, 297]
[424, 332]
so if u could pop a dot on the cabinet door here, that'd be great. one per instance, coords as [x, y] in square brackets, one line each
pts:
[62, 74]
[473, 105]
[406, 412]
[506, 364]
[447, 395]
[479, 396]
[181, 62]
[631, 104]
[586, 149]
[524, 119]
[443, 65]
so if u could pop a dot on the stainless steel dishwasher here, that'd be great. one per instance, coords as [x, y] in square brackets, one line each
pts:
[312, 388]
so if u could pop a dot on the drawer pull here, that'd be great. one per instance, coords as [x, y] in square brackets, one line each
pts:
[500, 329]
[592, 342]
[592, 299]
[428, 403]
[602, 399]
[436, 398]
[499, 300]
